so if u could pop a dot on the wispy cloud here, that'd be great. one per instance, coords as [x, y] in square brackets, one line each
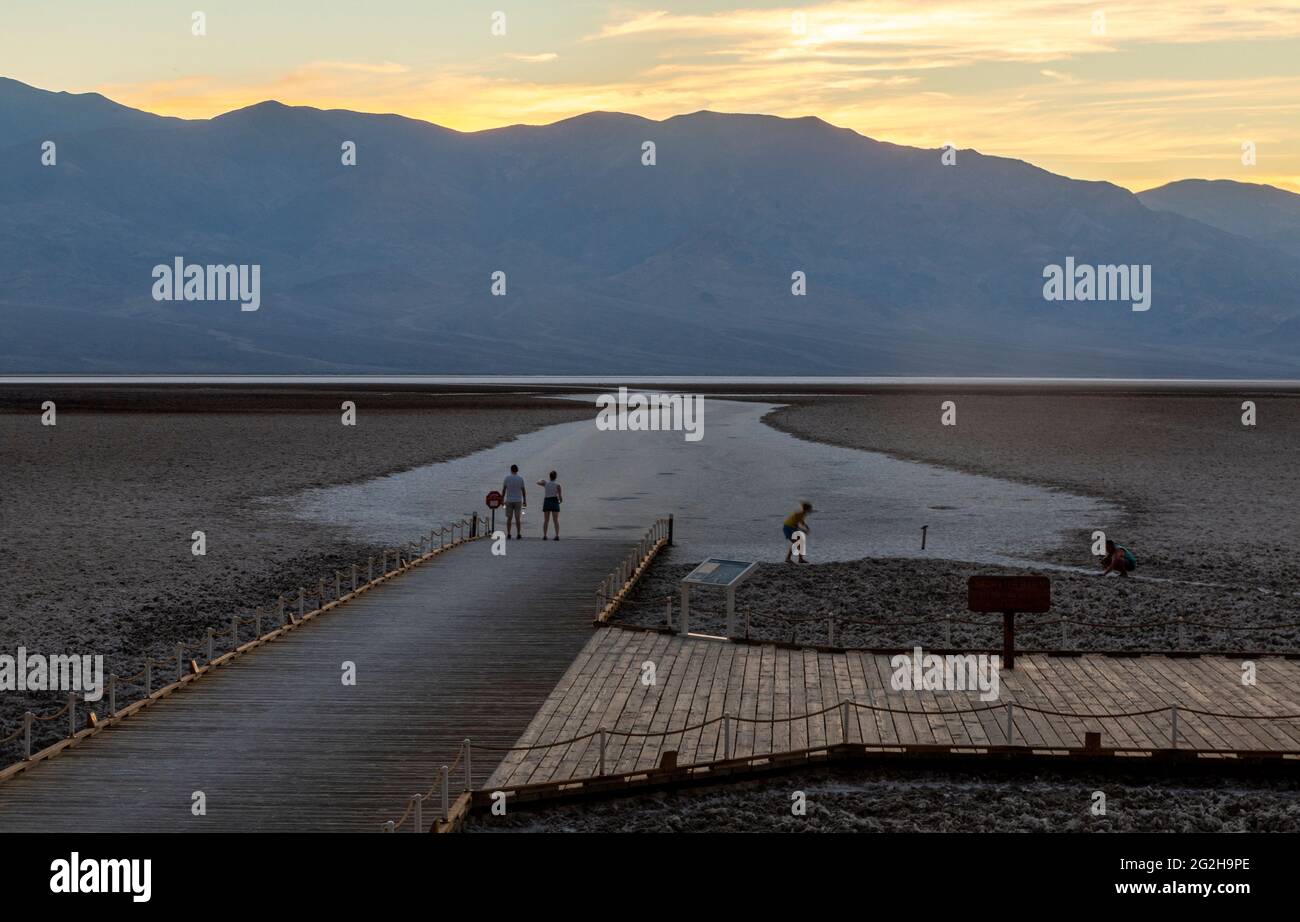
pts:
[542, 58]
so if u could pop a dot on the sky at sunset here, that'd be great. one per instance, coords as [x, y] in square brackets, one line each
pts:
[1135, 93]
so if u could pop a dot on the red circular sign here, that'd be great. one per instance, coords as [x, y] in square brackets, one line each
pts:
[493, 500]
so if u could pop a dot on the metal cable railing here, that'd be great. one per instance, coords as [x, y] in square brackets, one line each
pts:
[282, 616]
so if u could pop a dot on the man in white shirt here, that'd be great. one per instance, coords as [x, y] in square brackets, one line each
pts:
[516, 500]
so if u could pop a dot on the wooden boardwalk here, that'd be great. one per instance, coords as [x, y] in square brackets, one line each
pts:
[697, 681]
[463, 645]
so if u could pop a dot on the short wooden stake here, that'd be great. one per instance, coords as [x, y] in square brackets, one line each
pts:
[1009, 640]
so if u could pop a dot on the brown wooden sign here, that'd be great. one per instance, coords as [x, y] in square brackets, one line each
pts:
[1009, 593]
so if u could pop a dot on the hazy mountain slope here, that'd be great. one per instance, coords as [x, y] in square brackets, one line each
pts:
[913, 267]
[1261, 213]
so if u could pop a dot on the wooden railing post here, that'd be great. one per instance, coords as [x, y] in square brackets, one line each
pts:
[1009, 640]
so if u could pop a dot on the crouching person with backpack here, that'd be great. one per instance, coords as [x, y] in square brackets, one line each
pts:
[1118, 559]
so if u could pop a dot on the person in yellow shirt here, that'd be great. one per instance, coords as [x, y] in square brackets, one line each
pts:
[796, 521]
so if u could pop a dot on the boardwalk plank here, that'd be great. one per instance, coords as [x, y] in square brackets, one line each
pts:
[466, 644]
[767, 682]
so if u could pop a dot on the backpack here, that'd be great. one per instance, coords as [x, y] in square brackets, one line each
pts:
[1130, 562]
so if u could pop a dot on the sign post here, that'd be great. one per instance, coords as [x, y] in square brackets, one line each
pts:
[1009, 594]
[493, 501]
[718, 574]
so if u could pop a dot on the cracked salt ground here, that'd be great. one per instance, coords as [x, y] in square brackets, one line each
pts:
[729, 492]
[893, 800]
[1125, 614]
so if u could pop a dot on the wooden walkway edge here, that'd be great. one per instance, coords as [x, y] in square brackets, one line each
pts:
[719, 708]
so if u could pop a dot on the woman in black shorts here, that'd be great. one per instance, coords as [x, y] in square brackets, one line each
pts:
[551, 505]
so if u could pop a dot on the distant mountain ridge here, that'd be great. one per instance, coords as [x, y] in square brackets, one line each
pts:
[1265, 214]
[610, 266]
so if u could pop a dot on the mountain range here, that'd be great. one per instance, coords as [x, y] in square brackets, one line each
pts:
[611, 266]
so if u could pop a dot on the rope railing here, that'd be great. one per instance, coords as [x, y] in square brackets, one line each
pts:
[414, 806]
[835, 620]
[730, 721]
[935, 619]
[468, 528]
[614, 587]
[611, 590]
